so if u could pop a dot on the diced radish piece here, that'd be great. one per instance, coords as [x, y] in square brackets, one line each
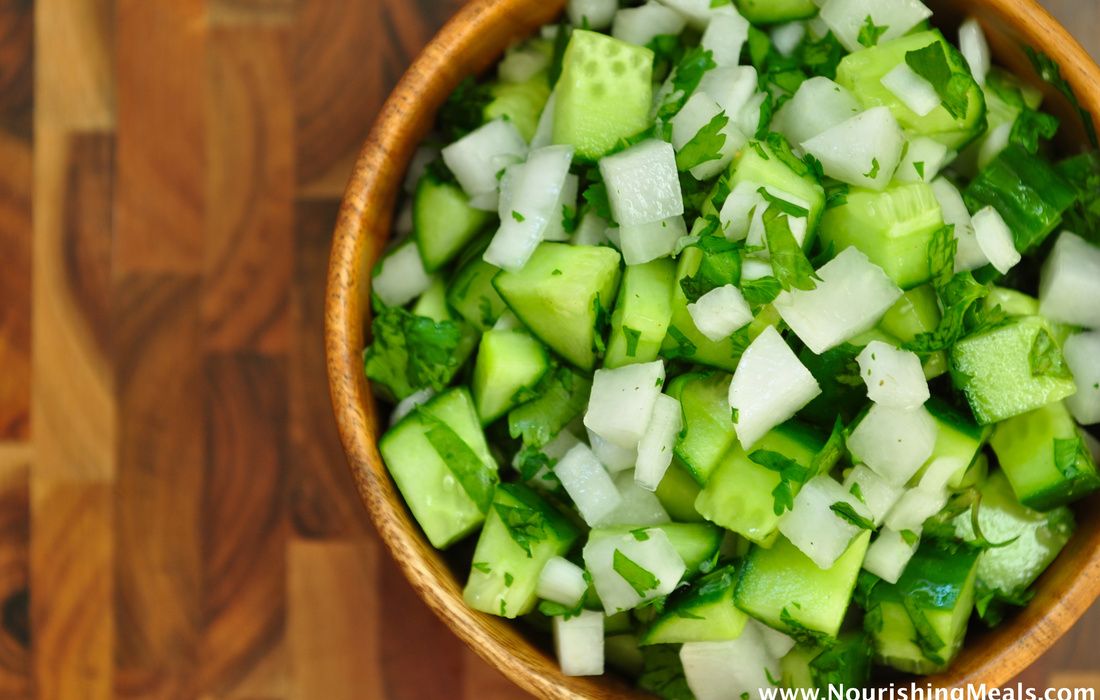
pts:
[595, 14]
[786, 37]
[592, 230]
[939, 472]
[863, 151]
[878, 494]
[923, 161]
[889, 554]
[847, 17]
[656, 446]
[621, 404]
[777, 643]
[995, 240]
[578, 643]
[729, 670]
[617, 580]
[732, 87]
[555, 227]
[407, 404]
[995, 142]
[853, 294]
[643, 185]
[812, 526]
[530, 199]
[562, 582]
[975, 49]
[724, 37]
[641, 25]
[700, 13]
[748, 118]
[895, 442]
[477, 157]
[894, 377]
[914, 507]
[402, 276]
[915, 92]
[587, 483]
[969, 255]
[615, 458]
[1082, 353]
[819, 104]
[755, 269]
[1070, 282]
[642, 243]
[544, 132]
[638, 507]
[720, 312]
[739, 208]
[769, 386]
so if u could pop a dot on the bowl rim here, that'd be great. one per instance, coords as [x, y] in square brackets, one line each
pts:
[378, 171]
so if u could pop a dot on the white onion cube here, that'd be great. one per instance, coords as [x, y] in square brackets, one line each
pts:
[561, 581]
[699, 13]
[642, 182]
[578, 643]
[995, 240]
[641, 25]
[894, 377]
[915, 92]
[720, 312]
[895, 442]
[645, 242]
[592, 230]
[555, 227]
[769, 386]
[914, 507]
[614, 458]
[656, 446]
[863, 151]
[596, 14]
[852, 295]
[847, 17]
[621, 404]
[742, 207]
[813, 527]
[819, 104]
[923, 161]
[402, 276]
[975, 49]
[1083, 357]
[477, 157]
[878, 494]
[588, 484]
[729, 670]
[777, 643]
[786, 37]
[889, 554]
[544, 131]
[724, 38]
[969, 255]
[637, 507]
[649, 550]
[1070, 283]
[732, 87]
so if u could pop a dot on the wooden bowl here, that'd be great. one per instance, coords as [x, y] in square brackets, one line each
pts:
[472, 41]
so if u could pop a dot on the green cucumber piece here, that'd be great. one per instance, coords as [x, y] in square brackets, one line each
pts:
[642, 313]
[918, 311]
[1011, 301]
[561, 397]
[561, 294]
[509, 365]
[958, 441]
[893, 229]
[623, 653]
[784, 589]
[522, 532]
[677, 493]
[918, 624]
[519, 103]
[696, 543]
[703, 612]
[604, 94]
[862, 73]
[776, 11]
[708, 432]
[762, 164]
[846, 664]
[444, 223]
[1011, 369]
[1026, 191]
[473, 296]
[738, 495]
[441, 464]
[1029, 540]
[1045, 458]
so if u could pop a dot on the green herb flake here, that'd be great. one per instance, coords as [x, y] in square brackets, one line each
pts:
[685, 78]
[873, 172]
[1068, 456]
[1045, 357]
[831, 452]
[640, 534]
[761, 292]
[870, 33]
[526, 526]
[789, 262]
[482, 567]
[509, 579]
[705, 146]
[518, 217]
[640, 579]
[684, 347]
[790, 473]
[410, 353]
[1048, 70]
[783, 205]
[953, 88]
[919, 167]
[633, 335]
[857, 492]
[476, 479]
[911, 538]
[570, 218]
[845, 511]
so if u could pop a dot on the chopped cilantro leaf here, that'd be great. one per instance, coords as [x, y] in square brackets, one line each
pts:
[509, 579]
[1045, 358]
[685, 78]
[633, 335]
[1031, 126]
[482, 567]
[783, 205]
[789, 263]
[570, 218]
[526, 526]
[790, 473]
[873, 172]
[953, 88]
[1048, 69]
[870, 33]
[705, 146]
[596, 197]
[477, 480]
[845, 511]
[762, 291]
[640, 579]
[857, 492]
[909, 537]
[518, 217]
[684, 347]
[919, 167]
[830, 454]
[464, 109]
[410, 353]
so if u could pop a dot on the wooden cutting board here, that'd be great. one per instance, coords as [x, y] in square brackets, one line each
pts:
[175, 516]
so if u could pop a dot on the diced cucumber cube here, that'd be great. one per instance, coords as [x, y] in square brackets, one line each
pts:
[703, 612]
[1082, 353]
[1071, 282]
[579, 643]
[643, 311]
[918, 623]
[476, 158]
[708, 429]
[893, 377]
[628, 570]
[677, 493]
[1010, 370]
[894, 442]
[563, 287]
[603, 95]
[523, 62]
[786, 590]
[642, 183]
[622, 401]
[655, 449]
[1044, 456]
[739, 494]
[889, 554]
[851, 296]
[761, 165]
[863, 151]
[588, 484]
[472, 295]
[509, 366]
[521, 102]
[818, 105]
[846, 18]
[958, 441]
[561, 581]
[443, 221]
[440, 462]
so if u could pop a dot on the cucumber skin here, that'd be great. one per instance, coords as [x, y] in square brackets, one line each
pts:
[708, 432]
[443, 221]
[703, 612]
[644, 304]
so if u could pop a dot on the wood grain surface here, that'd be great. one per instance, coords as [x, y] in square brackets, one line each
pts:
[176, 517]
